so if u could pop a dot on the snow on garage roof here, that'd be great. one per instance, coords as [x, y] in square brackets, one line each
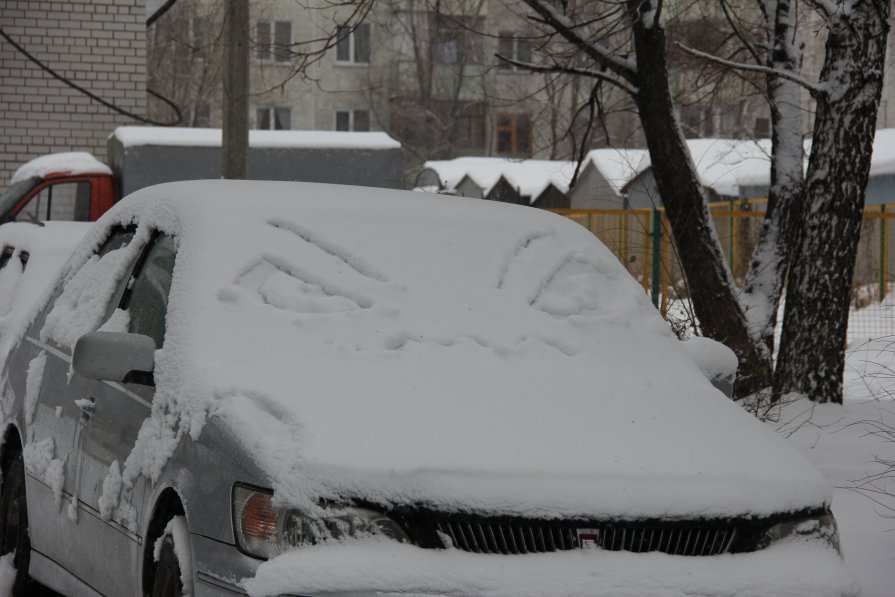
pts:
[529, 177]
[69, 163]
[618, 166]
[132, 136]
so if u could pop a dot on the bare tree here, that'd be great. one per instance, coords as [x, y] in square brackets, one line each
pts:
[812, 348]
[184, 59]
[629, 50]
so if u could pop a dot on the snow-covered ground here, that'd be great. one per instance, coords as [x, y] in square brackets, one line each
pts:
[845, 443]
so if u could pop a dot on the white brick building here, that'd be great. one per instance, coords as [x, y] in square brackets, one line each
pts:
[98, 44]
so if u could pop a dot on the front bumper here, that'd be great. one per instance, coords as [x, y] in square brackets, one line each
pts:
[794, 567]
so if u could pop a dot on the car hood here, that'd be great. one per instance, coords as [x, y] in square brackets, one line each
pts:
[452, 354]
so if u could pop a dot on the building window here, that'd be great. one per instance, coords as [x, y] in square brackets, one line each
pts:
[515, 48]
[352, 120]
[273, 118]
[513, 134]
[273, 41]
[353, 46]
[455, 42]
[469, 130]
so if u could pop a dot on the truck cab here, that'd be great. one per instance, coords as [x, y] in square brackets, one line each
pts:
[71, 186]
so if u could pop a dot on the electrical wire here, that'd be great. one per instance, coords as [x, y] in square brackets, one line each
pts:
[92, 95]
[160, 12]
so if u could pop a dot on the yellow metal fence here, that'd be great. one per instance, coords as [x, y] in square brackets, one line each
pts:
[641, 239]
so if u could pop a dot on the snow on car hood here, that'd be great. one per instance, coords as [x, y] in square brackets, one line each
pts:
[444, 352]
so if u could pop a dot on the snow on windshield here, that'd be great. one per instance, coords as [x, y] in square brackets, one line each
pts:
[454, 353]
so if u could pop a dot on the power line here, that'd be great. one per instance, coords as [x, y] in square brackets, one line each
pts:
[92, 95]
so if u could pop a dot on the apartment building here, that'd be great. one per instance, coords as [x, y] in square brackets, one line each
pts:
[427, 73]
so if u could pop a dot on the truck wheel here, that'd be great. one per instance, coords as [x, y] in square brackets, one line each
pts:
[172, 561]
[14, 522]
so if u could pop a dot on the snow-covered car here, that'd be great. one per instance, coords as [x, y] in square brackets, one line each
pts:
[31, 257]
[287, 388]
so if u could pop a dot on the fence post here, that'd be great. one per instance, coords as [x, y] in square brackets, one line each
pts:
[656, 255]
[883, 253]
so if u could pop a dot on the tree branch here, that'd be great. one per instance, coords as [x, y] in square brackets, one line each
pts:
[813, 88]
[623, 67]
[736, 30]
[622, 84]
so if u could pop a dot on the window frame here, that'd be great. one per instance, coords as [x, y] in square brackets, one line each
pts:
[514, 38]
[352, 45]
[513, 129]
[352, 119]
[270, 46]
[271, 118]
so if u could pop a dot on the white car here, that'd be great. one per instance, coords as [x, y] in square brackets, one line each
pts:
[285, 388]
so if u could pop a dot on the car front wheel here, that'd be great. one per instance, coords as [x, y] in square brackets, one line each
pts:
[172, 559]
[14, 527]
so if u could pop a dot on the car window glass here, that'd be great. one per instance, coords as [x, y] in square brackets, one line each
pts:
[64, 201]
[146, 301]
[84, 298]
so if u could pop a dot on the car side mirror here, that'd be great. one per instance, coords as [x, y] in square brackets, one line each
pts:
[115, 356]
[717, 362]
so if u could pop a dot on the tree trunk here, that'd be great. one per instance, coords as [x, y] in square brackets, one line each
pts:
[812, 348]
[709, 280]
[770, 260]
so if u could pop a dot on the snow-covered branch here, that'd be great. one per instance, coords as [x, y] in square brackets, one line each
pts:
[549, 15]
[609, 77]
[813, 88]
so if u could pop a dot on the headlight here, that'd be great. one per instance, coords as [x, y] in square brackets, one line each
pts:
[263, 530]
[822, 527]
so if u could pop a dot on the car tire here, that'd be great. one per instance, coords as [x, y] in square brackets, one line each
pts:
[168, 575]
[14, 522]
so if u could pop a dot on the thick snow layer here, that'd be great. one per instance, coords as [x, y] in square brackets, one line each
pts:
[850, 444]
[528, 177]
[725, 165]
[132, 136]
[618, 166]
[463, 355]
[21, 287]
[792, 568]
[67, 163]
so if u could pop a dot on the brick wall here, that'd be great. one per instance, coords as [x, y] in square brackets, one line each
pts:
[98, 44]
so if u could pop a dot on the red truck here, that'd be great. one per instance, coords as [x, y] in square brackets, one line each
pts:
[76, 186]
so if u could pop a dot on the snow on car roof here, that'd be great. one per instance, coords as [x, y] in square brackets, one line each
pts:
[400, 347]
[132, 136]
[70, 163]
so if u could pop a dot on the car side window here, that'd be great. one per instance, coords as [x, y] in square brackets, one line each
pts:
[146, 299]
[63, 201]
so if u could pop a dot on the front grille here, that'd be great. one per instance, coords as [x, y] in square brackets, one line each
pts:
[482, 536]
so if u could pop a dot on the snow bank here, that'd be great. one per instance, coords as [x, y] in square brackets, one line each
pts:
[460, 355]
[790, 568]
[132, 136]
[68, 163]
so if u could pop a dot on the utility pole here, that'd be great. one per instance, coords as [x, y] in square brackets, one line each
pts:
[235, 149]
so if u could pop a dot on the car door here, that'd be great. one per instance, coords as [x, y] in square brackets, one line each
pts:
[40, 374]
[113, 413]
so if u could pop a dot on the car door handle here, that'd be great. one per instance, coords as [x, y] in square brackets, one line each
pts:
[87, 407]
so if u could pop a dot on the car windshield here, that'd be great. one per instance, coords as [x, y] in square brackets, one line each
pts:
[14, 194]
